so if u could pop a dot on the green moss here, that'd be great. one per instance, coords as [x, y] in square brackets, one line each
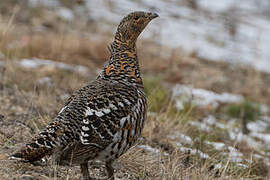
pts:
[158, 96]
[246, 110]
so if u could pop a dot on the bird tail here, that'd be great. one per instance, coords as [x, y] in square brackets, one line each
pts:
[31, 152]
[40, 146]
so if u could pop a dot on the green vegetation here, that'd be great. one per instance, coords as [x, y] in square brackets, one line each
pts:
[247, 110]
[158, 96]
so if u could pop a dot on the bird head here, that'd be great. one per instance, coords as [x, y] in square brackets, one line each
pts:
[132, 25]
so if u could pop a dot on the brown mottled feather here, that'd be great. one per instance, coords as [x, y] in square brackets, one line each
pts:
[102, 120]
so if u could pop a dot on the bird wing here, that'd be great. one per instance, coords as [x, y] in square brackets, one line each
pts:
[104, 111]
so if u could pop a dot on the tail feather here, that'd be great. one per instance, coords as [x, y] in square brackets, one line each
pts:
[31, 152]
[44, 144]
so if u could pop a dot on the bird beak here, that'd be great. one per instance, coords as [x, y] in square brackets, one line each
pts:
[152, 15]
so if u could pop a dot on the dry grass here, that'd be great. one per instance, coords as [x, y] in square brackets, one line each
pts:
[31, 111]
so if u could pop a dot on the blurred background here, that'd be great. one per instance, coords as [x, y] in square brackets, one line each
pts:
[205, 66]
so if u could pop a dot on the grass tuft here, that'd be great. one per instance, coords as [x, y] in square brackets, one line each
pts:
[246, 110]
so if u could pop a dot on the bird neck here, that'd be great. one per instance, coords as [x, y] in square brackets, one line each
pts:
[126, 37]
[123, 64]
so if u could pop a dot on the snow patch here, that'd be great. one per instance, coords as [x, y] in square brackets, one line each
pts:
[202, 97]
[257, 126]
[36, 63]
[45, 81]
[192, 151]
[65, 14]
[236, 32]
[201, 126]
[47, 3]
[150, 149]
[211, 120]
[181, 137]
[235, 155]
[216, 6]
[217, 145]
[263, 136]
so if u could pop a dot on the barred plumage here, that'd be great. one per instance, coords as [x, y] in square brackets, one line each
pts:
[102, 120]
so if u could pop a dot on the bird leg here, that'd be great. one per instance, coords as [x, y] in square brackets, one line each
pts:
[110, 170]
[84, 170]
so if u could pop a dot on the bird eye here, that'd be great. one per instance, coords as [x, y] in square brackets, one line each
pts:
[136, 18]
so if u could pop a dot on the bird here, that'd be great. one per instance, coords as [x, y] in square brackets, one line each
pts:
[103, 119]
